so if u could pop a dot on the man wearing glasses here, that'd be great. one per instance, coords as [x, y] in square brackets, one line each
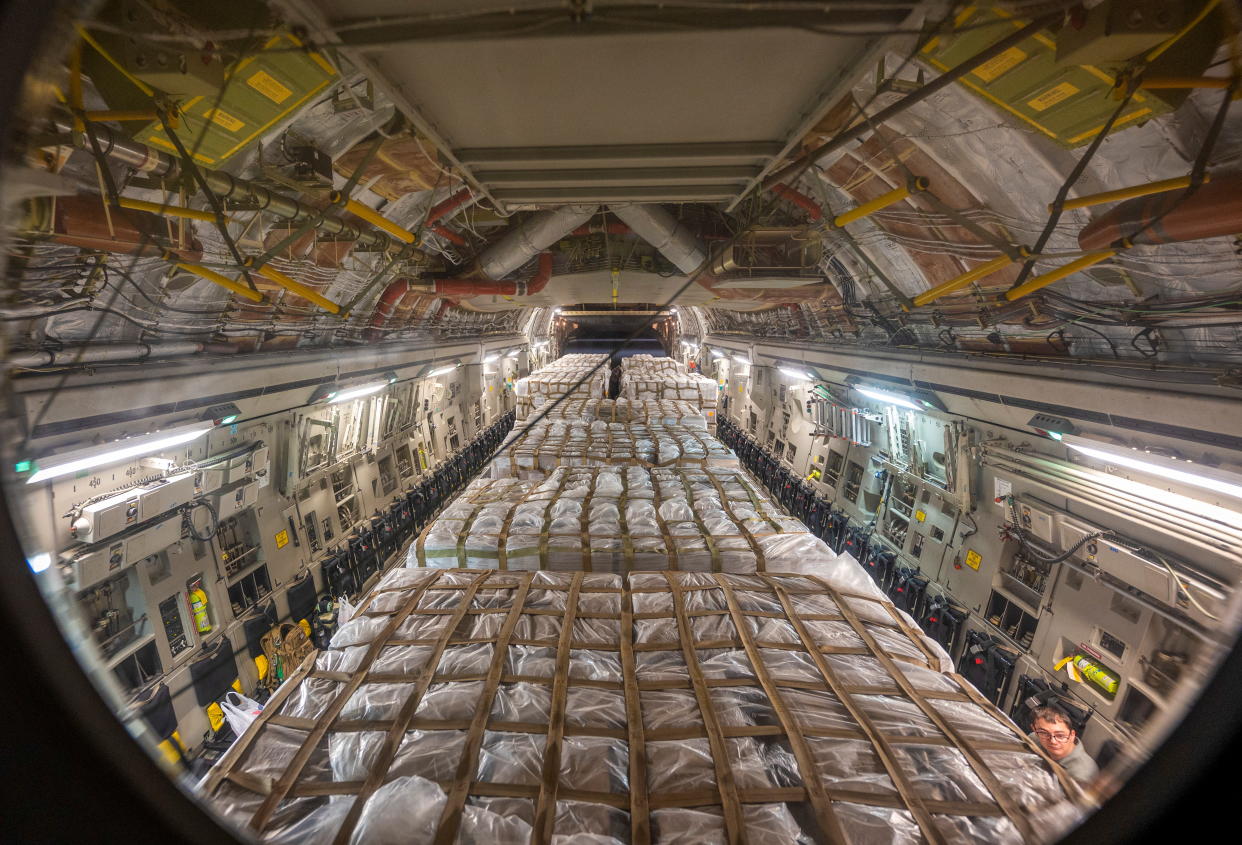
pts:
[1051, 726]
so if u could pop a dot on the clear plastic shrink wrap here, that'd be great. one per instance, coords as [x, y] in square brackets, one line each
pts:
[583, 376]
[622, 410]
[618, 519]
[531, 452]
[671, 707]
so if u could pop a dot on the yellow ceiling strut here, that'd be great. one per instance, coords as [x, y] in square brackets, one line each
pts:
[968, 277]
[121, 116]
[1034, 284]
[1129, 193]
[296, 287]
[914, 186]
[223, 281]
[374, 218]
[166, 210]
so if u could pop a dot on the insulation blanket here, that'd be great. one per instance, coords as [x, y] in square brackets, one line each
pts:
[692, 708]
[620, 519]
[533, 451]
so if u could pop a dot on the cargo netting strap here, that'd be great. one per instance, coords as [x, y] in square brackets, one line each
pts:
[545, 805]
[293, 770]
[734, 821]
[396, 733]
[922, 816]
[821, 804]
[468, 766]
[977, 763]
[640, 812]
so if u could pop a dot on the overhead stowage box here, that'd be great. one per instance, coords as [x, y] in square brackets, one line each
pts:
[223, 110]
[1066, 101]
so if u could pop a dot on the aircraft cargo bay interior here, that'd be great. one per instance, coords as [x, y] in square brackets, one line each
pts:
[615, 421]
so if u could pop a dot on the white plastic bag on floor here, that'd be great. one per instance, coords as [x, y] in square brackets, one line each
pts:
[345, 610]
[239, 711]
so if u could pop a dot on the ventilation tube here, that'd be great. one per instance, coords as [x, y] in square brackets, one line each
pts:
[1215, 209]
[531, 237]
[684, 251]
[660, 229]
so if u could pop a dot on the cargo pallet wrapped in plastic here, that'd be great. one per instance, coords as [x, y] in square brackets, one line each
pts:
[619, 520]
[649, 411]
[644, 363]
[562, 378]
[694, 708]
[533, 451]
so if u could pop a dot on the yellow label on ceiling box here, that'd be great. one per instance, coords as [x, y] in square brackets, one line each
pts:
[225, 119]
[1052, 96]
[1006, 61]
[266, 84]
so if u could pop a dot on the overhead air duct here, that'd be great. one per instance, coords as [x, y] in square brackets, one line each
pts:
[664, 232]
[1213, 210]
[83, 222]
[684, 251]
[531, 237]
[528, 239]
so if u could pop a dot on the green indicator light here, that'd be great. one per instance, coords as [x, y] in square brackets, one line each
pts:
[23, 466]
[228, 419]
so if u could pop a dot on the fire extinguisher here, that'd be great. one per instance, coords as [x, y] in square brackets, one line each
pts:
[198, 606]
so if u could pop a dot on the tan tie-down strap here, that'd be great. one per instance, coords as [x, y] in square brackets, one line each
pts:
[625, 624]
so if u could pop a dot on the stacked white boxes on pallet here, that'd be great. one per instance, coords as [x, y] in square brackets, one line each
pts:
[534, 450]
[580, 376]
[645, 377]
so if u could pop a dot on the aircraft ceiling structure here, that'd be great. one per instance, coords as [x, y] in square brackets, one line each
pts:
[470, 164]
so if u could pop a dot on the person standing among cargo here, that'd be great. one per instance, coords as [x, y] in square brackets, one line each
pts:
[1052, 728]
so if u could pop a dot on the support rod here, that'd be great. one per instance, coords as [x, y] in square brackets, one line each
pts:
[166, 210]
[966, 278]
[1129, 193]
[1034, 284]
[223, 281]
[794, 168]
[916, 185]
[299, 289]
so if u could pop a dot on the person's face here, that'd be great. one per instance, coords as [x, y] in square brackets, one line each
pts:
[1056, 737]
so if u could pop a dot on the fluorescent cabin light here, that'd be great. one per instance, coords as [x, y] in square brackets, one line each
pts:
[122, 451]
[40, 562]
[891, 398]
[716, 353]
[801, 375]
[442, 371]
[356, 392]
[491, 358]
[541, 344]
[514, 353]
[742, 360]
[1194, 479]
